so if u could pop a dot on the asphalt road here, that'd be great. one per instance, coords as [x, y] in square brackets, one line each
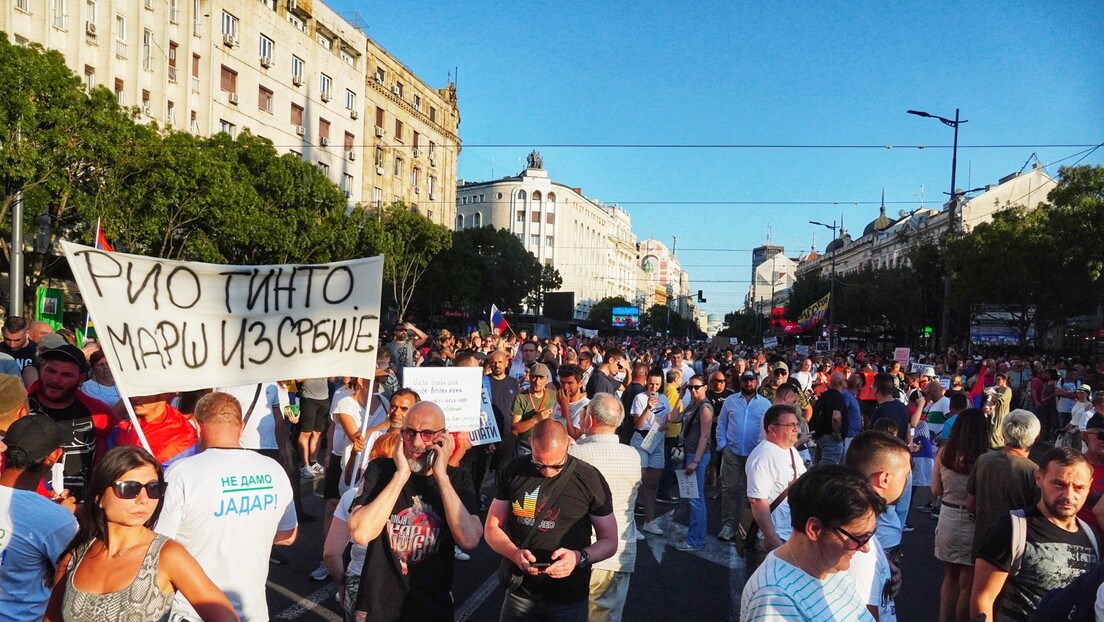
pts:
[667, 584]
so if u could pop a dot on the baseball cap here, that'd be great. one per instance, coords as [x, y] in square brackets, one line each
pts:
[540, 369]
[67, 353]
[780, 365]
[51, 340]
[748, 375]
[37, 435]
[12, 392]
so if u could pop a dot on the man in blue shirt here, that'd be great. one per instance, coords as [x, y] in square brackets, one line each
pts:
[739, 430]
[854, 411]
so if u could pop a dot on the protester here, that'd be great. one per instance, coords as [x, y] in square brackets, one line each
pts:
[532, 406]
[314, 410]
[117, 565]
[650, 410]
[738, 432]
[697, 441]
[102, 385]
[772, 468]
[170, 435]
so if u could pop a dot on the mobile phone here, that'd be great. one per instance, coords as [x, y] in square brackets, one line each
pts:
[540, 565]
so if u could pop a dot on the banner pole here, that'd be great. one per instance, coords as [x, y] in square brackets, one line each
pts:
[364, 424]
[133, 417]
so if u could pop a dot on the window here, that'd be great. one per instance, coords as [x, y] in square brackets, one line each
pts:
[348, 59]
[195, 66]
[477, 220]
[264, 99]
[197, 24]
[228, 80]
[57, 10]
[147, 50]
[347, 184]
[146, 102]
[381, 75]
[89, 11]
[269, 3]
[398, 167]
[398, 89]
[326, 86]
[323, 129]
[459, 222]
[267, 48]
[120, 36]
[119, 91]
[534, 240]
[229, 25]
[90, 77]
[415, 176]
[379, 117]
[398, 130]
[350, 100]
[324, 40]
[350, 140]
[228, 128]
[23, 5]
[297, 67]
[520, 218]
[172, 61]
[377, 197]
[170, 113]
[325, 168]
[548, 241]
[550, 218]
[297, 22]
[432, 149]
[431, 184]
[418, 103]
[174, 12]
[193, 123]
[416, 137]
[432, 114]
[534, 217]
[296, 114]
[379, 156]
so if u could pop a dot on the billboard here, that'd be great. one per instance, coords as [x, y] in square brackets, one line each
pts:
[626, 317]
[1001, 325]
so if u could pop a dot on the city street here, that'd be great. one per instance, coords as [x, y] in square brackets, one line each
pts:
[667, 585]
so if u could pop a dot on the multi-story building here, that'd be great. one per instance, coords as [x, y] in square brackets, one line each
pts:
[662, 280]
[590, 243]
[292, 71]
[772, 276]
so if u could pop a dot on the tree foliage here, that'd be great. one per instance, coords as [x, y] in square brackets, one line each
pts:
[602, 311]
[409, 242]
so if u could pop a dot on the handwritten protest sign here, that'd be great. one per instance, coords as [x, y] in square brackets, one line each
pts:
[487, 432]
[177, 326]
[688, 484]
[457, 390]
[901, 355]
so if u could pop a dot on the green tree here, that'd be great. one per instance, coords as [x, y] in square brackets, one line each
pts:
[742, 324]
[807, 289]
[408, 242]
[549, 280]
[602, 311]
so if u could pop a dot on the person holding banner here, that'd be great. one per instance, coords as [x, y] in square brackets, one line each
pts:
[412, 510]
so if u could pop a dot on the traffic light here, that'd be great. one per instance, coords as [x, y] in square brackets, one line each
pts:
[927, 331]
[700, 299]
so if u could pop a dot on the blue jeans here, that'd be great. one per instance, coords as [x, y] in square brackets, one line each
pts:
[829, 450]
[695, 533]
[520, 609]
[902, 507]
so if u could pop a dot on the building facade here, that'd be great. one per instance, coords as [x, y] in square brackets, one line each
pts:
[772, 276]
[293, 71]
[591, 244]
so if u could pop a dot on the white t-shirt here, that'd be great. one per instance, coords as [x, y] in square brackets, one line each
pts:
[804, 379]
[260, 431]
[656, 416]
[33, 533]
[356, 553]
[1082, 412]
[770, 469]
[575, 408]
[107, 395]
[778, 590]
[225, 507]
[347, 405]
[870, 571]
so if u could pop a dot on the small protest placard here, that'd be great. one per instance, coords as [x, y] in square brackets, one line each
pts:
[455, 389]
[688, 484]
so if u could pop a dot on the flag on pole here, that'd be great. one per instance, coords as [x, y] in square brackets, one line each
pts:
[103, 245]
[498, 321]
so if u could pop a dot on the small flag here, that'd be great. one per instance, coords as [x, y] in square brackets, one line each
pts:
[101, 244]
[498, 321]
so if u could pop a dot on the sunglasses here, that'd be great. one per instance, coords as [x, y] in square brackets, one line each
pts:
[854, 542]
[131, 489]
[427, 435]
[695, 387]
[781, 372]
[554, 467]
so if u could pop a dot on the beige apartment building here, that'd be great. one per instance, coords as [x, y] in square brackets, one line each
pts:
[292, 71]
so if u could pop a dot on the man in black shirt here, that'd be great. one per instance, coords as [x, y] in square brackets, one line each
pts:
[889, 407]
[829, 422]
[412, 512]
[17, 344]
[555, 561]
[1055, 549]
[636, 386]
[604, 379]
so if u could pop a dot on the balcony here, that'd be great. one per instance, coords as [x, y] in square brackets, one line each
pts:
[120, 49]
[195, 84]
[172, 75]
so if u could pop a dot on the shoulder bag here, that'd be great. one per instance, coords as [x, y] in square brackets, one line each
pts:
[509, 575]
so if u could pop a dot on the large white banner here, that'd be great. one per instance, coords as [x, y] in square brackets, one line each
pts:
[178, 326]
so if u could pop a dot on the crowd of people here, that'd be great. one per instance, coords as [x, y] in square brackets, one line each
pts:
[814, 458]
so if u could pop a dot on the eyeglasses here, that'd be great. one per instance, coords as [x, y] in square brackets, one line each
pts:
[854, 542]
[427, 435]
[131, 489]
[786, 425]
[717, 380]
[554, 467]
[695, 387]
[780, 372]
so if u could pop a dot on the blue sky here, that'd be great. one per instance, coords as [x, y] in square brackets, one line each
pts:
[1025, 75]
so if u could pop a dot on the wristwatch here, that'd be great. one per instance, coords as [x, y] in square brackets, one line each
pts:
[584, 559]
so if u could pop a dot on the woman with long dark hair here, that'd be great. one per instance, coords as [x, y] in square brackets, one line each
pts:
[954, 533]
[117, 568]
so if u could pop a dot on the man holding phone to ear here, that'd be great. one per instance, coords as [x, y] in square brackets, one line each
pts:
[412, 509]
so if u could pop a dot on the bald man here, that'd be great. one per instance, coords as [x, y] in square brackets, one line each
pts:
[413, 510]
[540, 521]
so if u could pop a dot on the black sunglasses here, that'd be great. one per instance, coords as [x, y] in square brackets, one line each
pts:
[695, 386]
[554, 467]
[131, 489]
[856, 542]
[780, 372]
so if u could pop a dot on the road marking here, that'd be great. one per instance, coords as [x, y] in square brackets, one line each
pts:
[476, 599]
[304, 604]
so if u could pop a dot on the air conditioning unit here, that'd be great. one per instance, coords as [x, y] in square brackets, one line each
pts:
[379, 132]
[266, 61]
[433, 161]
[234, 98]
[396, 91]
[326, 96]
[432, 196]
[379, 79]
[297, 80]
[325, 142]
[417, 152]
[351, 155]
[300, 130]
[354, 115]
[229, 40]
[146, 110]
[417, 190]
[90, 28]
[379, 170]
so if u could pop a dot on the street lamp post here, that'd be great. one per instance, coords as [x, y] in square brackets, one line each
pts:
[945, 324]
[831, 284]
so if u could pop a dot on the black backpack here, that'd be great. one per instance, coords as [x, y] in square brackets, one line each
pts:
[1073, 603]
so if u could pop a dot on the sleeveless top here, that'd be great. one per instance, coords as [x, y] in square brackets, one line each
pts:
[141, 601]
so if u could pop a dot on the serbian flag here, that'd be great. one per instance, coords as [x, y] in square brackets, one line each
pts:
[498, 321]
[977, 392]
[101, 244]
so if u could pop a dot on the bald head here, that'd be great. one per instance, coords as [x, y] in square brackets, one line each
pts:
[838, 380]
[549, 435]
[425, 416]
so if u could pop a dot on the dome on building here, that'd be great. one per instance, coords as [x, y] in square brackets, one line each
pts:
[881, 223]
[835, 245]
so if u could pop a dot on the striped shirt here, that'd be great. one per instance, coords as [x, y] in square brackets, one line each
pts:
[620, 465]
[779, 590]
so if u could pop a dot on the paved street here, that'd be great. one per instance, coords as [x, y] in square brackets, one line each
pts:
[667, 584]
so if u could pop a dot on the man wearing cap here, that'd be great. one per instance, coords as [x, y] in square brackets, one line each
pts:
[532, 406]
[18, 345]
[780, 373]
[738, 432]
[937, 405]
[1083, 409]
[56, 394]
[34, 530]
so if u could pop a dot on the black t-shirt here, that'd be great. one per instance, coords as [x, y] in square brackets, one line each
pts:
[23, 356]
[895, 411]
[628, 428]
[821, 423]
[81, 453]
[503, 393]
[408, 568]
[1052, 558]
[567, 525]
[601, 382]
